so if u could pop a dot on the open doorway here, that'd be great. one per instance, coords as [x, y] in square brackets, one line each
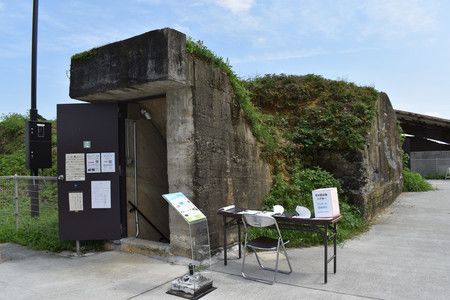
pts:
[146, 170]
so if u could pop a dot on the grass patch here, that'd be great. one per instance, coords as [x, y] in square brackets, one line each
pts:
[414, 182]
[85, 54]
[39, 233]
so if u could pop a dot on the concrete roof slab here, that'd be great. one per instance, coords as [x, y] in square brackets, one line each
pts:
[145, 65]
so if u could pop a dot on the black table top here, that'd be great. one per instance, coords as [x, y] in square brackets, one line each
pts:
[285, 217]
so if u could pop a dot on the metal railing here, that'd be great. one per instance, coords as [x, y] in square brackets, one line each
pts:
[25, 199]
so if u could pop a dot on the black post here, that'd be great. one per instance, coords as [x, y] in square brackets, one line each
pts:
[33, 110]
[325, 254]
[224, 240]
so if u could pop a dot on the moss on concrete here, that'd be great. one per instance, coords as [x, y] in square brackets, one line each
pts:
[85, 54]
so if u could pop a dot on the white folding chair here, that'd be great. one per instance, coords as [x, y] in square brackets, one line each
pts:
[263, 243]
[447, 174]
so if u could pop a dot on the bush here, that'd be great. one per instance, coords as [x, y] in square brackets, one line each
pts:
[414, 182]
[298, 192]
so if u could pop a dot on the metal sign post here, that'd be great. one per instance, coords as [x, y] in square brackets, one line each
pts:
[192, 285]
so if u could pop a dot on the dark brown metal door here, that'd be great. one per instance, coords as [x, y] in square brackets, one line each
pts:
[88, 171]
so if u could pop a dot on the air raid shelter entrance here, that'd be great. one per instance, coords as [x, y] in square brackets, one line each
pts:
[155, 120]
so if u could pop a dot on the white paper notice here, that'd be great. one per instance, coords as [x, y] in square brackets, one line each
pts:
[92, 162]
[75, 201]
[75, 167]
[101, 194]
[108, 162]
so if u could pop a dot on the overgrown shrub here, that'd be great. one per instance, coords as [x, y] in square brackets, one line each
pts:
[414, 182]
[320, 114]
[298, 191]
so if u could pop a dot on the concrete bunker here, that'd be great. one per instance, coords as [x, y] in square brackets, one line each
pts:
[180, 130]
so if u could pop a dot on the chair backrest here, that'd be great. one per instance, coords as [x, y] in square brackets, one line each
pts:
[258, 220]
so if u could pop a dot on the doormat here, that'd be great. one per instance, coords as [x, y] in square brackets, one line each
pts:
[195, 296]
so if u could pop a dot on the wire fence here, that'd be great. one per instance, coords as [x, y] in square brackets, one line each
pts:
[27, 201]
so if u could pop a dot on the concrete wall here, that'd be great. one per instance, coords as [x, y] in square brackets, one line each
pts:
[430, 163]
[180, 161]
[228, 168]
[373, 175]
[144, 65]
[382, 161]
[213, 157]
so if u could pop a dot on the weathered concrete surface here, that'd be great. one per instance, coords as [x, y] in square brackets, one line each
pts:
[228, 168]
[213, 157]
[373, 175]
[403, 256]
[141, 66]
[180, 161]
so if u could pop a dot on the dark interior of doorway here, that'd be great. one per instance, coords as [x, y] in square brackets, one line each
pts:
[146, 170]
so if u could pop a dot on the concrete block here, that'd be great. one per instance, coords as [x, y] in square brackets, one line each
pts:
[142, 66]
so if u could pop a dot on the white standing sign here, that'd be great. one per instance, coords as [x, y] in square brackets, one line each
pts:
[101, 193]
[326, 203]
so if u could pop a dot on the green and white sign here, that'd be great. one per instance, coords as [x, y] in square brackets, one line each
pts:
[185, 207]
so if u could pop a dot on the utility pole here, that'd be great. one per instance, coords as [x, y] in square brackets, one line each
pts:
[33, 110]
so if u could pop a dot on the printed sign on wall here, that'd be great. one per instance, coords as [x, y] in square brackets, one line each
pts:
[108, 162]
[76, 201]
[93, 163]
[101, 193]
[75, 167]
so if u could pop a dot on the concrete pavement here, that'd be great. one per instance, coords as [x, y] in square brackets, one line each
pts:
[405, 255]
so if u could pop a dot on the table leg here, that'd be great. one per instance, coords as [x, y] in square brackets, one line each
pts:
[239, 238]
[325, 254]
[334, 245]
[225, 240]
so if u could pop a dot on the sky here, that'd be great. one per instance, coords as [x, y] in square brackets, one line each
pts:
[401, 47]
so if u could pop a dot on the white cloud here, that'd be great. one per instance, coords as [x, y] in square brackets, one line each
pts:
[236, 6]
[400, 17]
[359, 19]
[288, 55]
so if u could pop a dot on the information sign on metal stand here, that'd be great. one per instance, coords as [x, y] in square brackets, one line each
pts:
[192, 285]
[198, 227]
